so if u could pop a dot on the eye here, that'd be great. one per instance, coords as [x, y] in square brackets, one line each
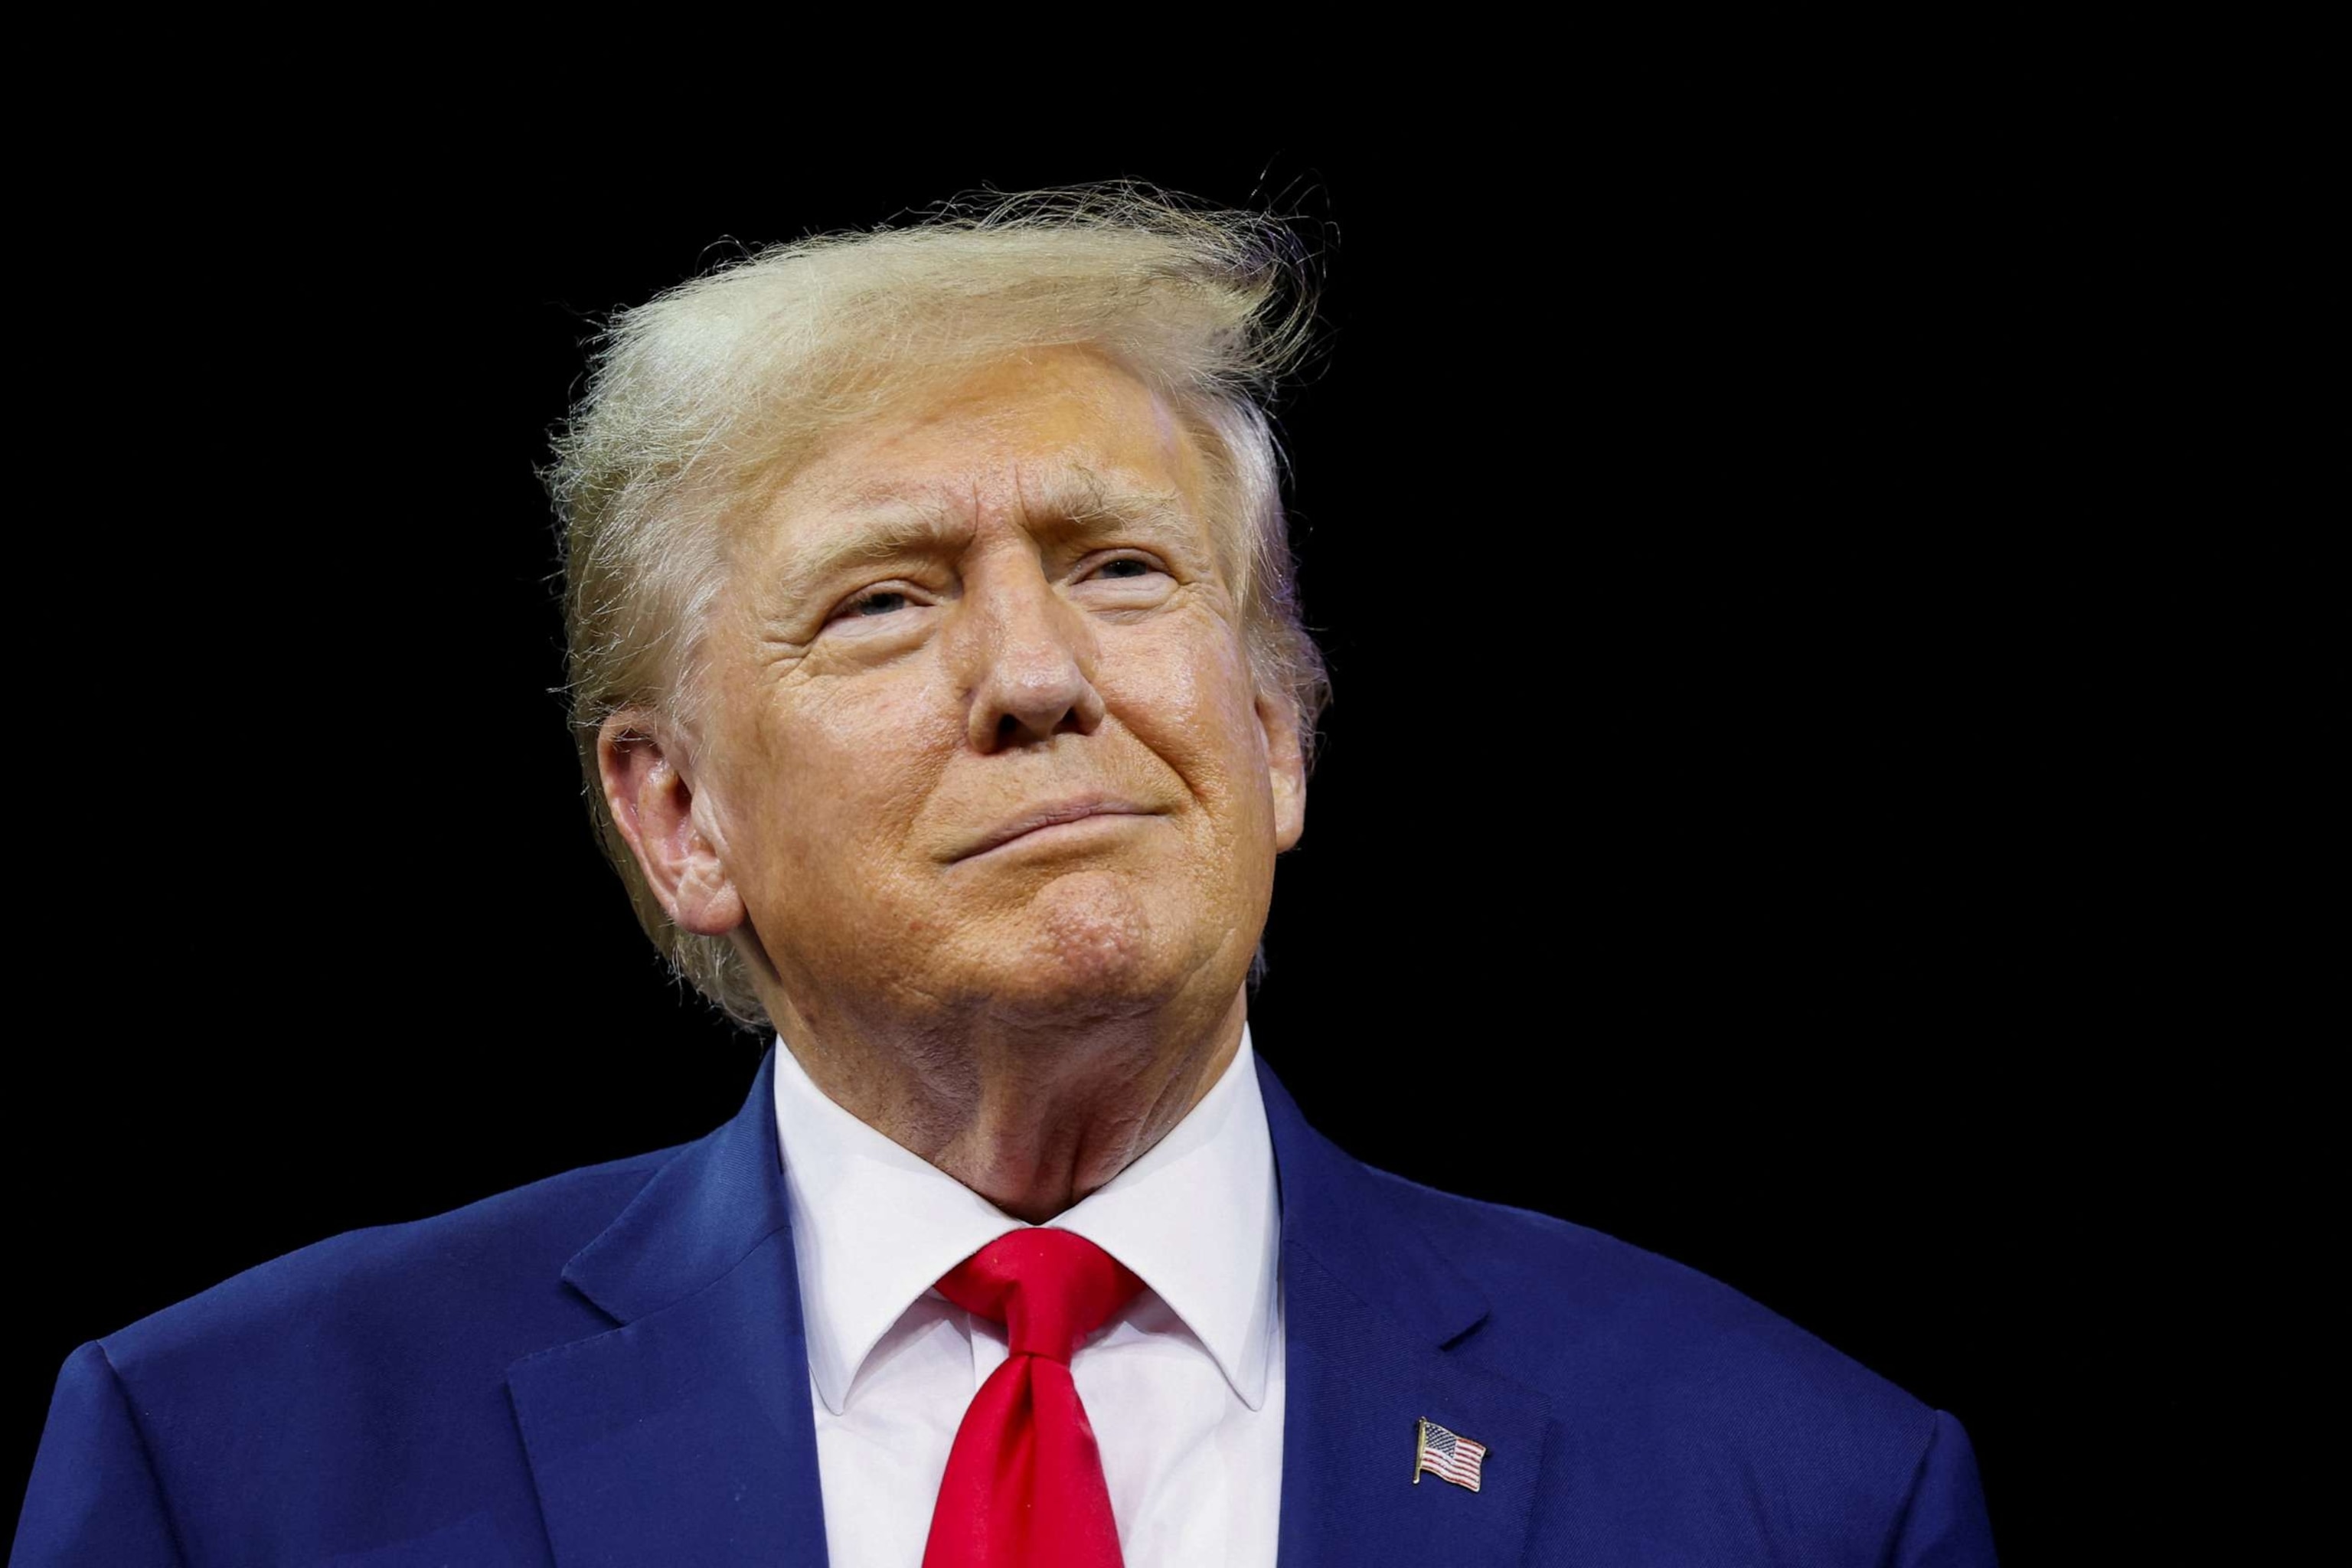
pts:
[879, 601]
[1130, 581]
[1125, 569]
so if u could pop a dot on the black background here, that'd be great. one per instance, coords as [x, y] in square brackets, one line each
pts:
[1754, 710]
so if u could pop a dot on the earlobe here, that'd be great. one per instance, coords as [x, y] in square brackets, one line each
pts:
[1285, 768]
[654, 807]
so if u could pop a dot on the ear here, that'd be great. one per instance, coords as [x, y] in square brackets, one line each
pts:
[1285, 768]
[654, 805]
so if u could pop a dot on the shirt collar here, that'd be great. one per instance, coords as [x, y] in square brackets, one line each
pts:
[875, 1226]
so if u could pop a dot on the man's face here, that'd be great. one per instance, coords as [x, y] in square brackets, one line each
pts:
[983, 740]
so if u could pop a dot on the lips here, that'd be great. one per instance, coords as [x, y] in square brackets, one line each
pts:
[1074, 809]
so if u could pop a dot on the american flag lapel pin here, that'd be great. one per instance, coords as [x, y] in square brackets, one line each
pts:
[1445, 1455]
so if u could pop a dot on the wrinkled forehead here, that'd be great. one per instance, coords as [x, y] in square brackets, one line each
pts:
[1047, 436]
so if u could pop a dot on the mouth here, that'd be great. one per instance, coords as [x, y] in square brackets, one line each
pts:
[1055, 814]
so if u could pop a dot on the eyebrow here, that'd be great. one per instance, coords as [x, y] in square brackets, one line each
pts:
[881, 522]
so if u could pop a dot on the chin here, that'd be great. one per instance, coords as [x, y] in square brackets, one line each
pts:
[1086, 944]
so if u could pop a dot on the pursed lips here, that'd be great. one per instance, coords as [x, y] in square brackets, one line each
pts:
[1077, 809]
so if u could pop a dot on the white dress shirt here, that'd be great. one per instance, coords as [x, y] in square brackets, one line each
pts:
[1184, 1387]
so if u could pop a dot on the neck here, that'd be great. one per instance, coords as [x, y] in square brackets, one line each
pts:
[1031, 1118]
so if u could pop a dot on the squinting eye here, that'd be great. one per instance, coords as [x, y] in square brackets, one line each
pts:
[1111, 568]
[877, 604]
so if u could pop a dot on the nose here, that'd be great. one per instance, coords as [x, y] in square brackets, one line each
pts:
[1029, 656]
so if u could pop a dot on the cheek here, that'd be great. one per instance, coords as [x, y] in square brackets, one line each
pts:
[846, 769]
[1190, 699]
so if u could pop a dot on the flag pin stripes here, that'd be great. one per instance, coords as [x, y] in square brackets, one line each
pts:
[1449, 1458]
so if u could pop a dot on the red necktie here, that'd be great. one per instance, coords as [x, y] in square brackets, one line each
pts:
[1025, 1483]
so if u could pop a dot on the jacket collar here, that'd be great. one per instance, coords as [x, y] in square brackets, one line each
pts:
[702, 1214]
[685, 1433]
[1383, 1329]
[1327, 1195]
[723, 1196]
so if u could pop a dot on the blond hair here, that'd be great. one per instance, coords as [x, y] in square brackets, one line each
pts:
[704, 398]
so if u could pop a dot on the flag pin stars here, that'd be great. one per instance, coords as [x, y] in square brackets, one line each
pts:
[1442, 1454]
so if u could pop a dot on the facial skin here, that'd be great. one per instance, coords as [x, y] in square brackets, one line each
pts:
[1001, 598]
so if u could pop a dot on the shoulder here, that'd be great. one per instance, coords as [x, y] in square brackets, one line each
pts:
[475, 1286]
[1651, 1352]
[232, 1419]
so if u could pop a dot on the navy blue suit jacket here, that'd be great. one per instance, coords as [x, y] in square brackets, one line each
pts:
[606, 1367]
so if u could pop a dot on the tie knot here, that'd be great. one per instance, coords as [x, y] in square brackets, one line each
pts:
[1049, 1287]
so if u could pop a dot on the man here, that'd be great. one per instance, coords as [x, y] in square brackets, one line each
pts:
[945, 703]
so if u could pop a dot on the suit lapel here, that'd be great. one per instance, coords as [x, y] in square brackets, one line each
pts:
[684, 1435]
[1373, 1314]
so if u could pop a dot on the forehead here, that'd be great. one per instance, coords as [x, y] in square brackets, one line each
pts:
[984, 441]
